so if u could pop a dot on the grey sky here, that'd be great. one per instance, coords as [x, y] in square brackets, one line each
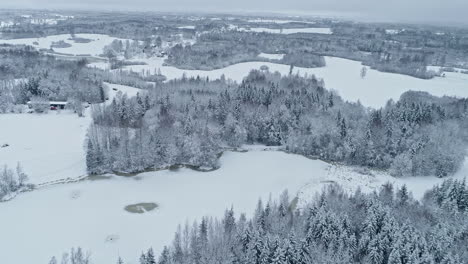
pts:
[420, 11]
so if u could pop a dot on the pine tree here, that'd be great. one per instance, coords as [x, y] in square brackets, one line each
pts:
[143, 259]
[150, 257]
[165, 256]
[229, 222]
[403, 195]
[53, 260]
[343, 128]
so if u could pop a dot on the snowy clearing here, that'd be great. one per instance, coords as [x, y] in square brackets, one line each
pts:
[271, 56]
[5, 24]
[49, 146]
[290, 30]
[278, 21]
[394, 31]
[94, 47]
[186, 27]
[115, 88]
[79, 214]
[341, 75]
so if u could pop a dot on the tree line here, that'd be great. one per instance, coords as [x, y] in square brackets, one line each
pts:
[191, 121]
[387, 226]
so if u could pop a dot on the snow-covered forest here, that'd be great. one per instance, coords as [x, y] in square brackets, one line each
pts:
[117, 126]
[191, 121]
[386, 226]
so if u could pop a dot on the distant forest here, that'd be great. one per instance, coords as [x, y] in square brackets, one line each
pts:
[408, 49]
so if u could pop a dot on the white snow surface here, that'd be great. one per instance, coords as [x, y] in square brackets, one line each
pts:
[340, 75]
[50, 146]
[115, 88]
[271, 56]
[278, 21]
[187, 27]
[310, 30]
[5, 24]
[93, 48]
[393, 31]
[51, 220]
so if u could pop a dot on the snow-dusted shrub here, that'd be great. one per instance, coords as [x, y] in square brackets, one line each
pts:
[40, 104]
[11, 181]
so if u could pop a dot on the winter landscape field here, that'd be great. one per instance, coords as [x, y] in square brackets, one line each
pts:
[169, 138]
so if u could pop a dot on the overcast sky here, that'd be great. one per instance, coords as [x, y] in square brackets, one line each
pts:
[420, 11]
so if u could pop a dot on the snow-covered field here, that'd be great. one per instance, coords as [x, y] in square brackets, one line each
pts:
[341, 75]
[278, 21]
[5, 24]
[49, 221]
[271, 56]
[290, 30]
[187, 27]
[93, 48]
[393, 31]
[50, 146]
[115, 88]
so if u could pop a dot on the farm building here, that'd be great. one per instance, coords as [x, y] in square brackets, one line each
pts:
[54, 105]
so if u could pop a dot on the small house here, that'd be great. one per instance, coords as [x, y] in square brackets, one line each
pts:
[54, 105]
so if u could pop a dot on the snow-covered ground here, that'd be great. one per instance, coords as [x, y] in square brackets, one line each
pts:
[341, 75]
[115, 88]
[5, 24]
[290, 30]
[393, 31]
[271, 56]
[49, 146]
[278, 21]
[93, 48]
[91, 213]
[187, 27]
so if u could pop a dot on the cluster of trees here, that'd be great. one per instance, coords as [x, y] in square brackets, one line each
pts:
[452, 195]
[76, 256]
[407, 53]
[129, 49]
[413, 64]
[27, 75]
[303, 59]
[190, 121]
[384, 227]
[218, 46]
[7, 96]
[209, 55]
[387, 226]
[11, 181]
[216, 50]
